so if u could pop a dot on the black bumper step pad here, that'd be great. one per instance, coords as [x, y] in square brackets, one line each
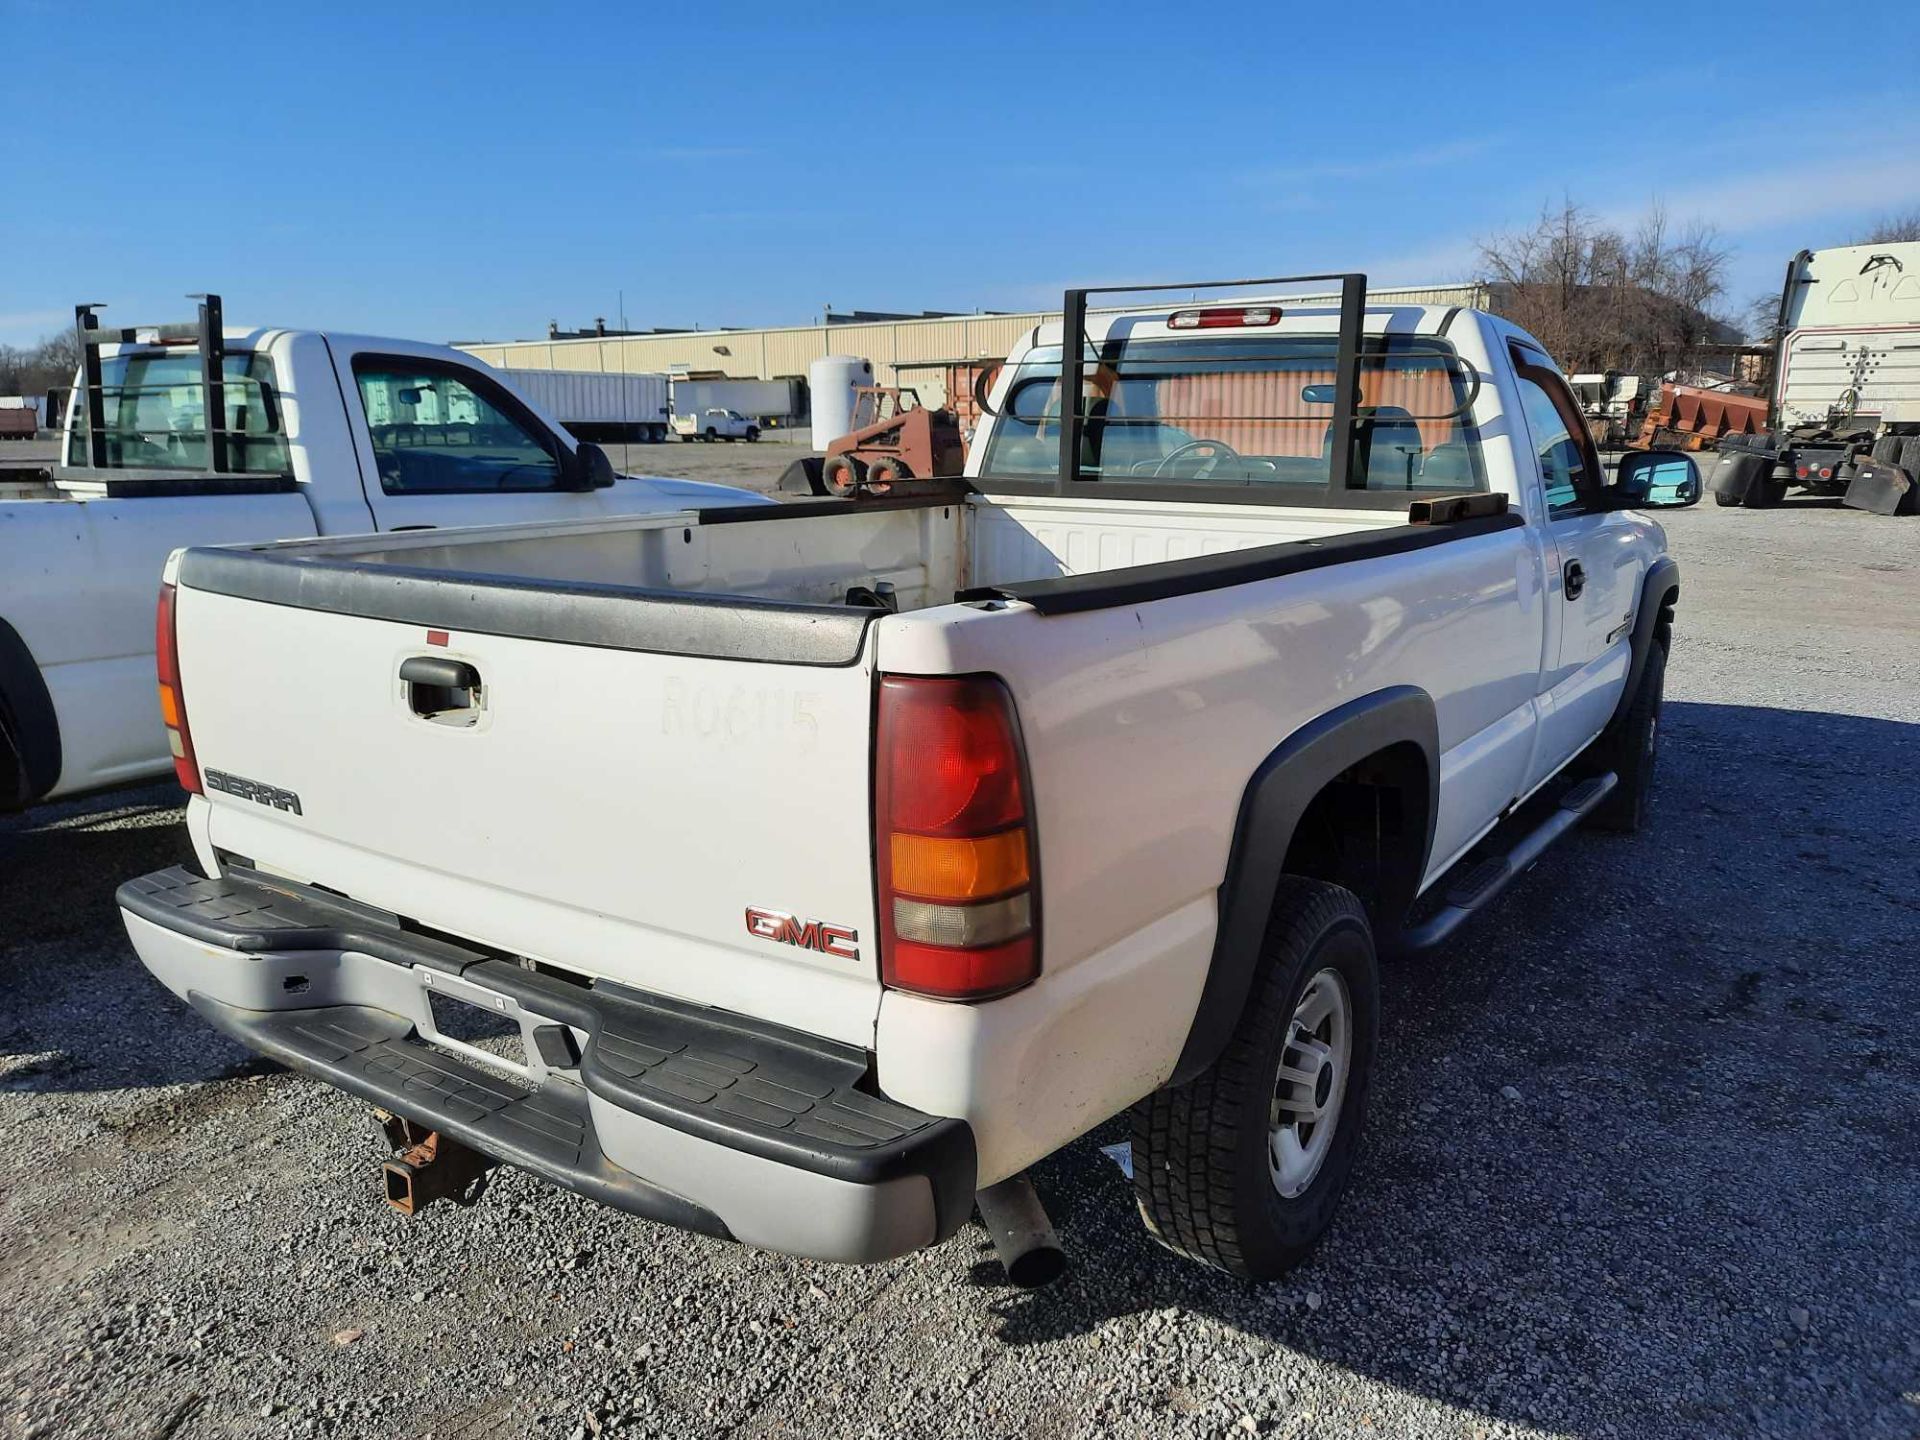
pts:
[369, 1053]
[742, 1083]
[247, 911]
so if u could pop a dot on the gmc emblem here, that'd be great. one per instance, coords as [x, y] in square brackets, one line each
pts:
[840, 941]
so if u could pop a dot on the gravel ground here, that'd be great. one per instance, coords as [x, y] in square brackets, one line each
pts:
[1641, 1159]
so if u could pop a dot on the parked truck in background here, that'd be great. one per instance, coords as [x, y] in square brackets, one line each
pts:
[1846, 399]
[323, 434]
[766, 403]
[716, 422]
[833, 862]
[606, 407]
[1612, 403]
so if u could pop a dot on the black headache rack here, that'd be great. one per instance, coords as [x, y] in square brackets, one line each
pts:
[207, 335]
[1073, 361]
[1108, 364]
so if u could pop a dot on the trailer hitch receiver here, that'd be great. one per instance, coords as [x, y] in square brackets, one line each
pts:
[429, 1166]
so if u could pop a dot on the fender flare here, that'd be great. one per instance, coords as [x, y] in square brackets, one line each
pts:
[29, 728]
[1281, 789]
[1659, 593]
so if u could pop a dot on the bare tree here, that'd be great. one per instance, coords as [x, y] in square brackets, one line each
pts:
[1602, 300]
[33, 370]
[1891, 229]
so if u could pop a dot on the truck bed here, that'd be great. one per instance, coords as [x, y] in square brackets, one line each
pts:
[705, 667]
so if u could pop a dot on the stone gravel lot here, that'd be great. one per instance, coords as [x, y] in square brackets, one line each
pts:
[1697, 1218]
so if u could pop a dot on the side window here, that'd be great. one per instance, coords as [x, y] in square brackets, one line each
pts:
[435, 434]
[1564, 453]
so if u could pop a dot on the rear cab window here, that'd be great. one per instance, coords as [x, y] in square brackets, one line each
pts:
[154, 410]
[1251, 412]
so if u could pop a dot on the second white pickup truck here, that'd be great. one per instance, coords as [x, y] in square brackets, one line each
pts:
[824, 866]
[321, 434]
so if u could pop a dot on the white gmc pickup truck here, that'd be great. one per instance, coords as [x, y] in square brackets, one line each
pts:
[324, 434]
[823, 867]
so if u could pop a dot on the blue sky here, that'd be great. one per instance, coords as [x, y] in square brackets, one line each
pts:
[468, 170]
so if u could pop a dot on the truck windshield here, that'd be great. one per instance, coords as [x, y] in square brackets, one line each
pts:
[1247, 410]
[155, 413]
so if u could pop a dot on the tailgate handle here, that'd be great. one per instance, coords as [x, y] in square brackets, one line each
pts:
[441, 690]
[438, 671]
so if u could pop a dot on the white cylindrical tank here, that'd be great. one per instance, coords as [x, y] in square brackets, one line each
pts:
[831, 380]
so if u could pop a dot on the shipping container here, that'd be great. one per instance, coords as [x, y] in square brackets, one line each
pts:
[599, 406]
[772, 402]
[19, 417]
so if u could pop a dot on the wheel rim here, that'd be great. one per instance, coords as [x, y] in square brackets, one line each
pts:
[1311, 1084]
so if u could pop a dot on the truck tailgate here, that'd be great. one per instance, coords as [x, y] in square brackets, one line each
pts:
[638, 777]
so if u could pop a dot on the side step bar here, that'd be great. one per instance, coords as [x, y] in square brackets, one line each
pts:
[1481, 882]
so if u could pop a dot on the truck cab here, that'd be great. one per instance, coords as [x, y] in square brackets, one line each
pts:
[716, 422]
[315, 433]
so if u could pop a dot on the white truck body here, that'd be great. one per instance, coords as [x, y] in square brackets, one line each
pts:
[757, 399]
[1850, 344]
[715, 422]
[671, 722]
[80, 558]
[598, 405]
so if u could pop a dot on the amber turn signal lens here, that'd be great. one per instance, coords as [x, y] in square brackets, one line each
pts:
[935, 867]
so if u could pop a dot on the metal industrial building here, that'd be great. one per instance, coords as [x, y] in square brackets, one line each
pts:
[786, 351]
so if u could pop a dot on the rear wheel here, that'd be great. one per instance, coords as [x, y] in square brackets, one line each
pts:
[886, 470]
[1243, 1166]
[711, 435]
[840, 474]
[1630, 749]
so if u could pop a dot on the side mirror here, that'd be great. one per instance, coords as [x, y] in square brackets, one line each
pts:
[1656, 480]
[592, 470]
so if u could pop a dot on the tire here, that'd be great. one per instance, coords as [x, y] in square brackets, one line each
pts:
[886, 470]
[840, 474]
[1909, 460]
[1204, 1168]
[753, 433]
[1631, 749]
[1886, 450]
[711, 435]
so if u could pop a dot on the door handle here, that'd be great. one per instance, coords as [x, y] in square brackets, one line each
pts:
[439, 671]
[1573, 578]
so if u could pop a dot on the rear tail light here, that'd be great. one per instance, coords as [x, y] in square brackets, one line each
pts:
[173, 700]
[959, 898]
[1223, 317]
[1800, 472]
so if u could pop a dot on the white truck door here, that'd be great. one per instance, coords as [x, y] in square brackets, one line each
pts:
[443, 444]
[1592, 593]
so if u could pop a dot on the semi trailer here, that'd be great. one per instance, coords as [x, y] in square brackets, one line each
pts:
[599, 406]
[1845, 414]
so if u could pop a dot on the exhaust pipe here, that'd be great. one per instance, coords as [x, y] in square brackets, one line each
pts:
[1023, 1237]
[430, 1167]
